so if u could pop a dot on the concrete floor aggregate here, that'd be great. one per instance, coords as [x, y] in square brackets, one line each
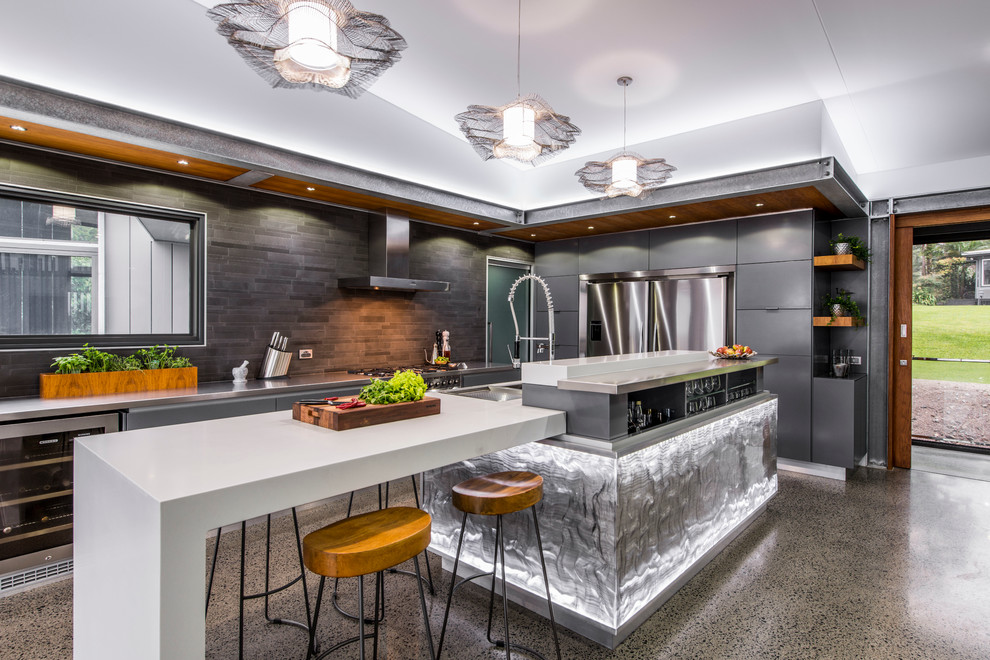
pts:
[888, 564]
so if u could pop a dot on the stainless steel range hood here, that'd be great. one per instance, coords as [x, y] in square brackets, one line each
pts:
[388, 258]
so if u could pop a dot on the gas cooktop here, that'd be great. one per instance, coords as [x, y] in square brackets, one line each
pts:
[388, 372]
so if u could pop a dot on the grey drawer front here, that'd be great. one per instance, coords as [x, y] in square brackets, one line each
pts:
[777, 332]
[153, 416]
[783, 284]
[565, 325]
[778, 237]
[790, 380]
[693, 245]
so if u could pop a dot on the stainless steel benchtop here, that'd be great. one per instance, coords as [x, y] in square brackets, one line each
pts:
[22, 408]
[623, 382]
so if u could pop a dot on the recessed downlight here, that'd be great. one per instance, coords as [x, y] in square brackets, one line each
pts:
[672, 217]
[17, 127]
[533, 235]
[476, 224]
[759, 203]
[591, 226]
[310, 188]
[183, 162]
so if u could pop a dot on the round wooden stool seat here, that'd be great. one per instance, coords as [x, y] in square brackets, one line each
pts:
[498, 493]
[367, 543]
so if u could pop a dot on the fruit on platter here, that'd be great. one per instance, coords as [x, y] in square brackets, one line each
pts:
[736, 351]
[441, 360]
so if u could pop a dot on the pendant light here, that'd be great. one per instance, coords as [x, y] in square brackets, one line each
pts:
[625, 173]
[319, 44]
[527, 129]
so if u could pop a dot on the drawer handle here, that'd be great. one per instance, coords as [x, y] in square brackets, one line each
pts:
[772, 309]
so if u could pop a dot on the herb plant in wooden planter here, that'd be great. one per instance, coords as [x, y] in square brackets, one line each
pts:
[93, 372]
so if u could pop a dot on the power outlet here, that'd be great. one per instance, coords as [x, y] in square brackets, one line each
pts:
[305, 353]
[855, 359]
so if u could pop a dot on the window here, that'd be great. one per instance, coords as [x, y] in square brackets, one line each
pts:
[77, 270]
[986, 272]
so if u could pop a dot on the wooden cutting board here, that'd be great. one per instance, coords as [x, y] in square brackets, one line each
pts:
[330, 417]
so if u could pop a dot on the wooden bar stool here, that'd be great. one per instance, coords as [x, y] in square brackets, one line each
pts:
[383, 504]
[268, 590]
[496, 495]
[361, 545]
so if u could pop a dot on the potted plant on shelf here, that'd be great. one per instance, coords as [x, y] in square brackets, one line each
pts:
[853, 245]
[93, 372]
[841, 304]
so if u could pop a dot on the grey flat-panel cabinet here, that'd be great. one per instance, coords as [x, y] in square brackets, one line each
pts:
[790, 380]
[614, 253]
[557, 258]
[781, 284]
[693, 245]
[775, 332]
[838, 421]
[564, 289]
[778, 237]
[565, 325]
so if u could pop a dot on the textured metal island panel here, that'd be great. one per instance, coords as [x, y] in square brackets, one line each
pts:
[677, 499]
[577, 524]
[588, 413]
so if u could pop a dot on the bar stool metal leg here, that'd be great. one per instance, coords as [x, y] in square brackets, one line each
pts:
[268, 591]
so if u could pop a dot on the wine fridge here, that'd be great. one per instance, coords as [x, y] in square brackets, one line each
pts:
[36, 491]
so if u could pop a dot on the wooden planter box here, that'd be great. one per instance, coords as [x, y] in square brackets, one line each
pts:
[55, 386]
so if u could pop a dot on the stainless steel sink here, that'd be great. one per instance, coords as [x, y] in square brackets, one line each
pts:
[497, 392]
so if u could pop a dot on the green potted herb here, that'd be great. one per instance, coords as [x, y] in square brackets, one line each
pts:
[841, 303]
[853, 245]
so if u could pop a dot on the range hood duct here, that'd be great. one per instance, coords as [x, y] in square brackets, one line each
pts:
[388, 258]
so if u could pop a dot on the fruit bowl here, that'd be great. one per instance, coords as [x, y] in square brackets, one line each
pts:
[734, 352]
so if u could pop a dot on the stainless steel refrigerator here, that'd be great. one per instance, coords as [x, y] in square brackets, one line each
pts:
[684, 309]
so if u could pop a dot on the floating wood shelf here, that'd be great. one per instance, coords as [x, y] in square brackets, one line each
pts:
[839, 262]
[839, 321]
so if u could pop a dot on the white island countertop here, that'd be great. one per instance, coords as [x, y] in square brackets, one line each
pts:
[145, 499]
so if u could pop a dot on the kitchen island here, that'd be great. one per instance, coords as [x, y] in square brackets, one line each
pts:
[145, 500]
[627, 516]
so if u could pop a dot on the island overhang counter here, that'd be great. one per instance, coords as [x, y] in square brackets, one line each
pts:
[145, 500]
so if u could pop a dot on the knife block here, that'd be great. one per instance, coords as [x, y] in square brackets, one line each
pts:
[275, 364]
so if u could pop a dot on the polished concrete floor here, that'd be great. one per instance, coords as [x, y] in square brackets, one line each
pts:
[884, 565]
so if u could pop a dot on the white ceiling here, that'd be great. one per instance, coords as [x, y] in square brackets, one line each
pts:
[897, 90]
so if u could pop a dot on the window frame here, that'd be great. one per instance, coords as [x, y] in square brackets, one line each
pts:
[197, 276]
[984, 271]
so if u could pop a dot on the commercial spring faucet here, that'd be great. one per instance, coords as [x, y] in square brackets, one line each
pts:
[550, 338]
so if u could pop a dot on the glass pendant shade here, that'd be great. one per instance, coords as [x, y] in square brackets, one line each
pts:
[518, 125]
[624, 173]
[323, 44]
[311, 55]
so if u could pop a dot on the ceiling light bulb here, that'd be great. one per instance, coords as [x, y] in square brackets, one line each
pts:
[310, 188]
[17, 127]
[518, 134]
[476, 224]
[183, 162]
[312, 55]
[759, 203]
[672, 217]
[591, 227]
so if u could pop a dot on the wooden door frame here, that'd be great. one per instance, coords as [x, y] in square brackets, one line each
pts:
[899, 348]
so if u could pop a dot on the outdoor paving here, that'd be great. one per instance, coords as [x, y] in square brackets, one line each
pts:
[953, 411]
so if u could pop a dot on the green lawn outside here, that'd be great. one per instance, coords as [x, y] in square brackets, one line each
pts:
[951, 331]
